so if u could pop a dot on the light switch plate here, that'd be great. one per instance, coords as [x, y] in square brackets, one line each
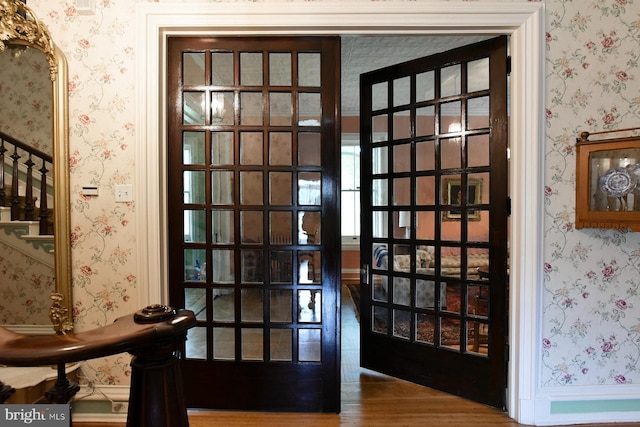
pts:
[124, 193]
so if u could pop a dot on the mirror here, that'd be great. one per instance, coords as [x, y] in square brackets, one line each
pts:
[33, 85]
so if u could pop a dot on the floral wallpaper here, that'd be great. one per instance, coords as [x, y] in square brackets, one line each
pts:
[590, 294]
[592, 277]
[25, 98]
[25, 280]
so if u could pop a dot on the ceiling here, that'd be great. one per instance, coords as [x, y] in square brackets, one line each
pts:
[361, 54]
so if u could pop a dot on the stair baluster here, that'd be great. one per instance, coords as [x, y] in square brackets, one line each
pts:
[15, 197]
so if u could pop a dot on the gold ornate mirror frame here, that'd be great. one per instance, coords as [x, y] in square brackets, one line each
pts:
[20, 29]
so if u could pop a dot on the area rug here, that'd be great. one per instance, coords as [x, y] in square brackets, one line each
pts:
[354, 291]
[425, 327]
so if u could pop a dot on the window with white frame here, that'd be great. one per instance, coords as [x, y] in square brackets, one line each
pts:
[350, 190]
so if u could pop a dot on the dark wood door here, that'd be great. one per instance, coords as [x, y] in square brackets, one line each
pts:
[434, 232]
[253, 161]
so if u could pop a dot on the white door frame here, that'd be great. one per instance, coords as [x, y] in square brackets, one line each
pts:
[522, 21]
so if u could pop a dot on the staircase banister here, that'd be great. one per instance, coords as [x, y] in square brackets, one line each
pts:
[26, 147]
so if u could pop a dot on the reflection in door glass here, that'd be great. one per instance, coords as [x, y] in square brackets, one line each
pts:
[252, 343]
[193, 68]
[309, 345]
[224, 344]
[309, 306]
[308, 64]
[281, 345]
[309, 188]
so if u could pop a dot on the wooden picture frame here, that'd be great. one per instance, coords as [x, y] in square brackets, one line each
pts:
[451, 189]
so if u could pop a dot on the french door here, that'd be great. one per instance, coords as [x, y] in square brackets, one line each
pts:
[435, 218]
[253, 160]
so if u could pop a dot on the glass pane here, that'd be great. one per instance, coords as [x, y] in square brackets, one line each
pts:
[401, 260]
[222, 267]
[280, 109]
[251, 188]
[452, 297]
[281, 345]
[379, 288]
[380, 160]
[251, 303]
[194, 187]
[309, 268]
[193, 68]
[252, 343]
[309, 230]
[221, 148]
[451, 153]
[280, 148]
[309, 109]
[222, 187]
[450, 261]
[380, 193]
[224, 344]
[194, 259]
[251, 148]
[196, 347]
[402, 158]
[309, 149]
[193, 148]
[309, 69]
[379, 96]
[280, 227]
[222, 306]
[193, 106]
[222, 108]
[425, 121]
[280, 69]
[310, 306]
[252, 266]
[402, 225]
[478, 113]
[380, 223]
[401, 91]
[309, 188]
[250, 69]
[222, 68]
[426, 294]
[478, 150]
[425, 328]
[195, 299]
[309, 345]
[478, 188]
[477, 262]
[478, 301]
[450, 81]
[425, 156]
[251, 108]
[450, 333]
[380, 128]
[251, 227]
[426, 225]
[425, 190]
[478, 225]
[425, 89]
[380, 322]
[281, 266]
[451, 189]
[195, 227]
[401, 324]
[478, 75]
[478, 338]
[280, 192]
[401, 191]
[401, 291]
[401, 125]
[281, 306]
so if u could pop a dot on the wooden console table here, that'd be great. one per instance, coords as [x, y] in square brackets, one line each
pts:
[152, 335]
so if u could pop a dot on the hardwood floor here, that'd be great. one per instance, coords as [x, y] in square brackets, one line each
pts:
[368, 399]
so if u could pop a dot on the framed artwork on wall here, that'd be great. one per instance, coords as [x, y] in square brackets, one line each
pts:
[452, 193]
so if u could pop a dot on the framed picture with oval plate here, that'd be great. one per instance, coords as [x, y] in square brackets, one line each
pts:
[608, 182]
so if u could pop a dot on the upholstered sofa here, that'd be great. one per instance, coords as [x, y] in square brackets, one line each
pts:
[425, 264]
